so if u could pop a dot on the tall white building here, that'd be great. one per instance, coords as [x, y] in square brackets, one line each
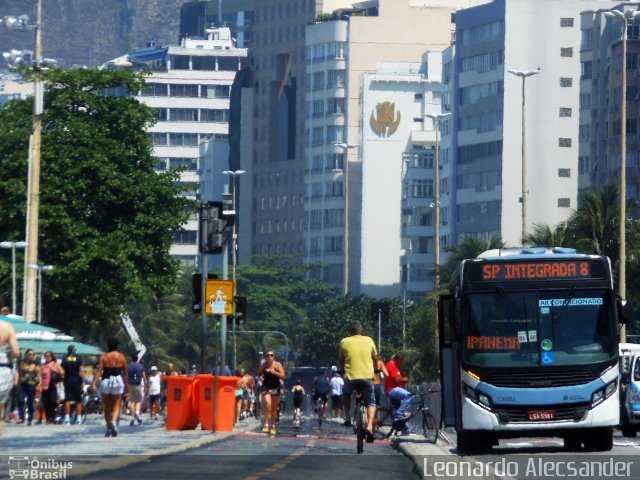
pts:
[490, 40]
[189, 88]
[341, 50]
[398, 177]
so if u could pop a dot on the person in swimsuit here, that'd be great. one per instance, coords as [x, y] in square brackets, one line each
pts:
[114, 381]
[272, 372]
[298, 397]
[9, 349]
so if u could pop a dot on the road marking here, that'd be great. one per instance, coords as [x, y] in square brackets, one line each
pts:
[281, 464]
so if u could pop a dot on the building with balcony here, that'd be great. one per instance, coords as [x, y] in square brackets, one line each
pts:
[189, 88]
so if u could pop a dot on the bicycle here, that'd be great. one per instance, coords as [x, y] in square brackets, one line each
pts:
[428, 424]
[360, 415]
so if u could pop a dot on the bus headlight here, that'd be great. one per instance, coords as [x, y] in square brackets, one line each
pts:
[477, 397]
[602, 393]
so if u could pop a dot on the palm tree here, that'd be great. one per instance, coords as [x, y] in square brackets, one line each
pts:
[467, 247]
[594, 225]
[543, 236]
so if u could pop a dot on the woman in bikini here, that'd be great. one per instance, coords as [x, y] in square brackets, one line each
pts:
[114, 381]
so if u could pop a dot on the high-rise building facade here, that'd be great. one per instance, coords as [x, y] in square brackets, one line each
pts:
[189, 88]
[491, 39]
[601, 101]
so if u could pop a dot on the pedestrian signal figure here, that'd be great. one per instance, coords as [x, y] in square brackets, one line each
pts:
[272, 372]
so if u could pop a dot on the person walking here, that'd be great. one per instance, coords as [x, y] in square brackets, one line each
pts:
[114, 381]
[9, 350]
[73, 384]
[51, 373]
[298, 397]
[27, 378]
[272, 372]
[357, 358]
[137, 381]
[321, 389]
[153, 387]
[337, 385]
[248, 395]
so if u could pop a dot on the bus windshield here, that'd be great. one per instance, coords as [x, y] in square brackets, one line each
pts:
[508, 329]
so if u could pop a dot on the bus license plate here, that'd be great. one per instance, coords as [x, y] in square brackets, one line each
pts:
[542, 415]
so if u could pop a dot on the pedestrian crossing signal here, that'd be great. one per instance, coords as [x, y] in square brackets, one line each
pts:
[240, 304]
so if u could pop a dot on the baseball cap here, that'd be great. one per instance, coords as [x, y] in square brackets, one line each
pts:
[154, 368]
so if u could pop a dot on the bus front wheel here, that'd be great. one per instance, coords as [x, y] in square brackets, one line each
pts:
[473, 442]
[599, 439]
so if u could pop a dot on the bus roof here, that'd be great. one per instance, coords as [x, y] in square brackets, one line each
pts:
[533, 252]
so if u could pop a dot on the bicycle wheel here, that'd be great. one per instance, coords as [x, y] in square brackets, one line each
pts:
[360, 428]
[429, 427]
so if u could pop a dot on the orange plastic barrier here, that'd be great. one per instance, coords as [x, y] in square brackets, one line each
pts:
[225, 405]
[181, 415]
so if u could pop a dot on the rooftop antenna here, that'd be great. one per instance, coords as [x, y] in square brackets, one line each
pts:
[220, 13]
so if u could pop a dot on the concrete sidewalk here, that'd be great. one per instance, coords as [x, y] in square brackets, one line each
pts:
[93, 452]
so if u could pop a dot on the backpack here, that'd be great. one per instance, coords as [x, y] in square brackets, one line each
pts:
[135, 373]
[323, 387]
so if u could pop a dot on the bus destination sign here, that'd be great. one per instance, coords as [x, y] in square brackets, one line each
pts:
[543, 270]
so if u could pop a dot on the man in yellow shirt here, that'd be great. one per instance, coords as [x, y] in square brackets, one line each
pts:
[357, 358]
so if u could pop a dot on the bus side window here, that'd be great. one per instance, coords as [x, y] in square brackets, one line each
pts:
[636, 372]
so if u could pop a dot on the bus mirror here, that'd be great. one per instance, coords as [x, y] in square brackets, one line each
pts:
[624, 311]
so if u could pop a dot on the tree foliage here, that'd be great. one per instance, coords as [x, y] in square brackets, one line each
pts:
[105, 215]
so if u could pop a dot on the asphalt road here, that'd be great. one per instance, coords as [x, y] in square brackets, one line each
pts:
[307, 453]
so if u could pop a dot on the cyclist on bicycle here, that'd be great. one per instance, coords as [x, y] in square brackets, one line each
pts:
[321, 388]
[357, 359]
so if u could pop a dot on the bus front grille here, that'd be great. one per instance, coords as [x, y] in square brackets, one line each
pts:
[546, 379]
[563, 413]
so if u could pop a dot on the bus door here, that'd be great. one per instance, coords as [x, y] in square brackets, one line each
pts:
[449, 361]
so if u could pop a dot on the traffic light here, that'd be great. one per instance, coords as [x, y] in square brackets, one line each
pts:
[214, 225]
[240, 309]
[196, 291]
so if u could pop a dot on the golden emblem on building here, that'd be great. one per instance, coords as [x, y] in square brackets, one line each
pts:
[384, 120]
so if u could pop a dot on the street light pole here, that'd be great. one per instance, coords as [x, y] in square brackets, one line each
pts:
[39, 269]
[234, 246]
[524, 74]
[13, 246]
[628, 17]
[437, 119]
[345, 148]
[33, 175]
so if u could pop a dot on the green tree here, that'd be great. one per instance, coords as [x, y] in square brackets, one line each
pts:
[106, 216]
[544, 236]
[594, 225]
[467, 247]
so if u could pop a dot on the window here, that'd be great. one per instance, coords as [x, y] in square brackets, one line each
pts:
[585, 43]
[180, 139]
[564, 142]
[565, 111]
[183, 114]
[422, 188]
[564, 172]
[154, 90]
[566, 82]
[178, 90]
[159, 138]
[215, 91]
[185, 237]
[566, 21]
[585, 69]
[564, 202]
[189, 164]
[566, 52]
[214, 115]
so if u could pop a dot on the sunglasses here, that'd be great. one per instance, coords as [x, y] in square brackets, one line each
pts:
[269, 355]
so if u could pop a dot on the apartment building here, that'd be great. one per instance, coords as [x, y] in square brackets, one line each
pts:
[601, 101]
[519, 35]
[190, 88]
